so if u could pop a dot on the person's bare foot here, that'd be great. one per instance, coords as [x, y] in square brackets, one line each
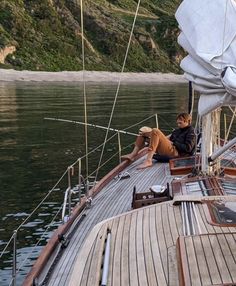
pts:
[146, 164]
[129, 157]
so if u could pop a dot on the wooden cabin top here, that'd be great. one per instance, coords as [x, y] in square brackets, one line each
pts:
[148, 246]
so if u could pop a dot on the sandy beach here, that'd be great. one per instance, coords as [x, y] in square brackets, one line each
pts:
[10, 75]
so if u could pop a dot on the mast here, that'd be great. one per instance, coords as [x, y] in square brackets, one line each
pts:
[210, 141]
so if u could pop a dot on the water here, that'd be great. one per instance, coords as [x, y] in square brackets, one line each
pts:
[34, 152]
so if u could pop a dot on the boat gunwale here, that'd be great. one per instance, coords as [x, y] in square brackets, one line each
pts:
[53, 242]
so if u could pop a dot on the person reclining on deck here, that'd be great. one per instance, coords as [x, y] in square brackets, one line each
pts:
[181, 142]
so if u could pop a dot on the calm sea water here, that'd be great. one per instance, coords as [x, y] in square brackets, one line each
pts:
[34, 152]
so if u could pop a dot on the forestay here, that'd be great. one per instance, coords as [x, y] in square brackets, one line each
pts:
[208, 34]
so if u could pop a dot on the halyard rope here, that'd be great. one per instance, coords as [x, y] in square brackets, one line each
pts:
[84, 88]
[5, 248]
[129, 127]
[231, 123]
[118, 88]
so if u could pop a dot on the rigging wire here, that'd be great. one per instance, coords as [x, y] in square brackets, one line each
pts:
[42, 201]
[143, 120]
[5, 248]
[40, 239]
[118, 88]
[109, 159]
[84, 87]
[166, 122]
[230, 125]
[65, 173]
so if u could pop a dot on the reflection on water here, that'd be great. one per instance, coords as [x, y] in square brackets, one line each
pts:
[35, 152]
[8, 114]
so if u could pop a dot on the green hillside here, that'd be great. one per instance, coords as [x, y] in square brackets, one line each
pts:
[46, 35]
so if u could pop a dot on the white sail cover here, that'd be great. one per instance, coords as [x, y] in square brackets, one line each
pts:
[208, 34]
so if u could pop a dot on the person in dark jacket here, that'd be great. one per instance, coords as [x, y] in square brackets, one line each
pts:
[180, 143]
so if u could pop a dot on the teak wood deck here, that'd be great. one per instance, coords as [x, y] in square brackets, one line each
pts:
[143, 250]
[208, 259]
[114, 199]
[143, 241]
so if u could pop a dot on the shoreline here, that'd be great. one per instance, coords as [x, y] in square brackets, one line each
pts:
[10, 75]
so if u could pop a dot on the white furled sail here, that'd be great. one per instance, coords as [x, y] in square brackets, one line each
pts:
[208, 34]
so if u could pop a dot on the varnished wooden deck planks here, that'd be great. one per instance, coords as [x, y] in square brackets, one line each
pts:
[148, 254]
[139, 255]
[156, 252]
[203, 267]
[132, 251]
[143, 250]
[208, 259]
[148, 244]
[161, 240]
[113, 200]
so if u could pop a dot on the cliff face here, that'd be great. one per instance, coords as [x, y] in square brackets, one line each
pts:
[46, 35]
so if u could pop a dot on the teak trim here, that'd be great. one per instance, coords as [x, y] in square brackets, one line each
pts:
[53, 241]
[184, 278]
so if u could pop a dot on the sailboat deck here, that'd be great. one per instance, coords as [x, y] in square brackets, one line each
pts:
[113, 200]
[208, 259]
[143, 250]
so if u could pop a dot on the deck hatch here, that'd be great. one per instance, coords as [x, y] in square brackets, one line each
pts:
[222, 213]
[229, 186]
[204, 186]
[197, 186]
[185, 165]
[207, 259]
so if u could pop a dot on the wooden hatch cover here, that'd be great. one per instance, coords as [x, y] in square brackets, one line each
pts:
[207, 259]
[204, 186]
[200, 186]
